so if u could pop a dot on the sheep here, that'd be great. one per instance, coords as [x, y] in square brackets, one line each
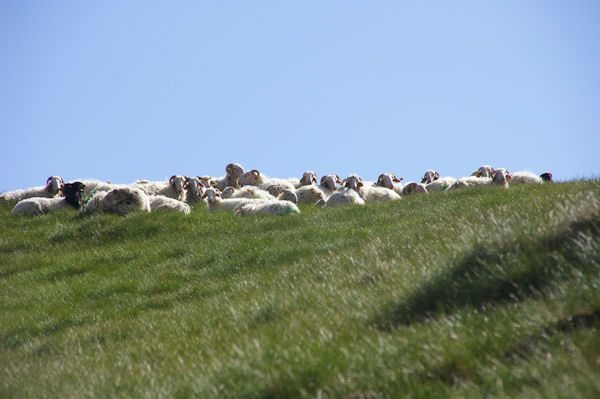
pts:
[50, 190]
[276, 207]
[414, 188]
[434, 182]
[272, 185]
[93, 186]
[525, 176]
[194, 190]
[246, 192]
[310, 194]
[125, 200]
[162, 203]
[308, 178]
[370, 193]
[499, 176]
[216, 203]
[348, 194]
[328, 184]
[547, 177]
[288, 195]
[233, 172]
[173, 188]
[207, 181]
[41, 205]
[483, 171]
[388, 181]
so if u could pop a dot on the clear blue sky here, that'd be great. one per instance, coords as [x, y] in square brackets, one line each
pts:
[122, 90]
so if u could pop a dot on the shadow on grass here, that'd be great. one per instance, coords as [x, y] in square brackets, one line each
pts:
[506, 270]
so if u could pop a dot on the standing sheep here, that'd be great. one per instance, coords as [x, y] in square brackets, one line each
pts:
[41, 205]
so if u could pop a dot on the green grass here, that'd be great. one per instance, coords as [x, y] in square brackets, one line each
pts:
[480, 292]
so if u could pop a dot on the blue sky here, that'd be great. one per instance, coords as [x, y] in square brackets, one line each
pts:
[122, 90]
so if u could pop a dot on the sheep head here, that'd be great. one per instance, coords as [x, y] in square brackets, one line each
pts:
[73, 193]
[177, 183]
[227, 192]
[54, 184]
[547, 176]
[309, 177]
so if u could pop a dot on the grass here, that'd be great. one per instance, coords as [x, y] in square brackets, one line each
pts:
[480, 292]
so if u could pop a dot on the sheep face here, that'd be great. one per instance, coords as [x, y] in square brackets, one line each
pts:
[387, 180]
[250, 178]
[430, 175]
[194, 185]
[72, 193]
[547, 176]
[177, 184]
[353, 182]
[501, 176]
[330, 181]
[211, 195]
[484, 171]
[54, 185]
[308, 178]
[234, 169]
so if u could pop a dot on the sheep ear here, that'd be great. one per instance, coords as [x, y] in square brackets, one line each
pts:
[397, 180]
[360, 184]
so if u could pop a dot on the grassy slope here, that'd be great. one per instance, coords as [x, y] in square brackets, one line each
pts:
[452, 294]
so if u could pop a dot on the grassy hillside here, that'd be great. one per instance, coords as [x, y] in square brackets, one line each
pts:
[477, 292]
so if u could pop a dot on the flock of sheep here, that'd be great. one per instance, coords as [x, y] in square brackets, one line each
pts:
[243, 192]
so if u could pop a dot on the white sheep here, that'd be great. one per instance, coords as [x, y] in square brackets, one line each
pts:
[124, 200]
[433, 181]
[272, 207]
[246, 192]
[194, 190]
[233, 172]
[216, 203]
[329, 183]
[173, 188]
[483, 171]
[51, 189]
[391, 182]
[310, 194]
[499, 176]
[288, 195]
[347, 195]
[525, 176]
[414, 188]
[370, 193]
[272, 185]
[207, 181]
[166, 204]
[41, 205]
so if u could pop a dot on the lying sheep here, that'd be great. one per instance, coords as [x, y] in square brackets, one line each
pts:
[40, 205]
[246, 192]
[272, 185]
[308, 178]
[273, 207]
[524, 177]
[347, 195]
[123, 200]
[391, 182]
[433, 181]
[499, 176]
[173, 188]
[194, 190]
[233, 172]
[216, 203]
[50, 190]
[370, 193]
[166, 204]
[483, 171]
[310, 194]
[329, 183]
[288, 195]
[414, 188]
